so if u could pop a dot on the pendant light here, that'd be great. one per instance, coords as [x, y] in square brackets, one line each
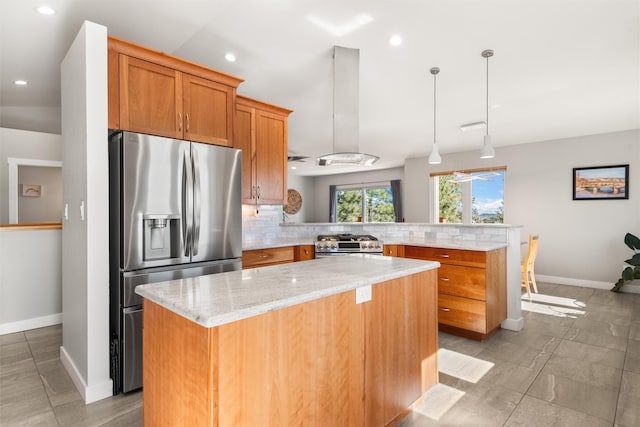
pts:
[487, 151]
[434, 157]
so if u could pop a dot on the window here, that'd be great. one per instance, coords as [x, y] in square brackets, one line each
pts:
[474, 196]
[364, 204]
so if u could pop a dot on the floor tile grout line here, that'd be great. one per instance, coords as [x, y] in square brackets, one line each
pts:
[44, 387]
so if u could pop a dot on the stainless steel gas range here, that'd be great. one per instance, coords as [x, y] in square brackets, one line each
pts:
[345, 244]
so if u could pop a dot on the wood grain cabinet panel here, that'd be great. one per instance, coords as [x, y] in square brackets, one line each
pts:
[393, 250]
[466, 282]
[150, 98]
[463, 313]
[208, 111]
[472, 288]
[158, 94]
[326, 362]
[269, 256]
[304, 252]
[261, 134]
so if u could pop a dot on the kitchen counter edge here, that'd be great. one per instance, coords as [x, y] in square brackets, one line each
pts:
[217, 299]
[470, 245]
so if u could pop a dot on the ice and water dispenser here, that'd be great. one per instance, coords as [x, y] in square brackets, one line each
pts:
[161, 236]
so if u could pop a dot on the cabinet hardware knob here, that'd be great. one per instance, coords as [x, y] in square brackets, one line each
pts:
[443, 255]
[188, 122]
[444, 279]
[180, 122]
[444, 309]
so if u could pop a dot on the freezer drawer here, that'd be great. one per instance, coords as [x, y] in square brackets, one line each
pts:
[132, 349]
[132, 279]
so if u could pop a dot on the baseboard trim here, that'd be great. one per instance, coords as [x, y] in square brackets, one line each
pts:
[89, 394]
[513, 324]
[574, 282]
[27, 324]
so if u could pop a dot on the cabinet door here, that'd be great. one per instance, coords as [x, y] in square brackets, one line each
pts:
[463, 313]
[244, 140]
[208, 111]
[304, 253]
[150, 98]
[271, 149]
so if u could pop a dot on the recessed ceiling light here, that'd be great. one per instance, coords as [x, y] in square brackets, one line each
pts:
[45, 10]
[293, 167]
[230, 57]
[20, 82]
[395, 40]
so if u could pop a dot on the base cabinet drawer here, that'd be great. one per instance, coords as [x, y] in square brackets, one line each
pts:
[468, 282]
[462, 313]
[264, 257]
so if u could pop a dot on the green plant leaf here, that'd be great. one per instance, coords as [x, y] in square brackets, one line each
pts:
[635, 260]
[632, 242]
[627, 274]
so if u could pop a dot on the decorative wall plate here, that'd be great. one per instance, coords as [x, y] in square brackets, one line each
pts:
[294, 202]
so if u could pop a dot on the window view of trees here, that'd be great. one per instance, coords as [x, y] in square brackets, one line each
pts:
[365, 204]
[486, 189]
[449, 200]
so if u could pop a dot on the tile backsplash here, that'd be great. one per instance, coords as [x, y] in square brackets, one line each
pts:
[264, 226]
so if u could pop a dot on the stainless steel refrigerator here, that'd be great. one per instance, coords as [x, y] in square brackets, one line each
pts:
[175, 212]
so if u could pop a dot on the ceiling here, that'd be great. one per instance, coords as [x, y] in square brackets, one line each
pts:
[562, 68]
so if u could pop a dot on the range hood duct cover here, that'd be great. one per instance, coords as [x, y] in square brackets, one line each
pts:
[346, 98]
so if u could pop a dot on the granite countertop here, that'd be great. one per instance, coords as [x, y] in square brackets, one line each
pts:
[217, 299]
[469, 245]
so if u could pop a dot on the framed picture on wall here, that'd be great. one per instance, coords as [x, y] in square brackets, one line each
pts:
[601, 182]
[31, 190]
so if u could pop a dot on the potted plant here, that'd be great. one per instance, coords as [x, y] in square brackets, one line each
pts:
[633, 271]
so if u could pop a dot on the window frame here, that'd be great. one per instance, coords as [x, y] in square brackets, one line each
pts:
[362, 187]
[467, 193]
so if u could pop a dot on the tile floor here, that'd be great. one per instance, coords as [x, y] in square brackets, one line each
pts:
[576, 363]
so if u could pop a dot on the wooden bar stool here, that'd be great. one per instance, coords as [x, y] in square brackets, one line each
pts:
[528, 275]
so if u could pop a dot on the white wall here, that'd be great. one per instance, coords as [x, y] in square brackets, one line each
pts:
[322, 183]
[581, 242]
[23, 144]
[305, 186]
[85, 234]
[31, 282]
[39, 119]
[48, 206]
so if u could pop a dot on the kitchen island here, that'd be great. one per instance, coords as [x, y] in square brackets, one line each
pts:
[346, 340]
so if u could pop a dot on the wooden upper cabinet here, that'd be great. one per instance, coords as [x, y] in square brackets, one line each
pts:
[244, 140]
[261, 134]
[271, 167]
[150, 98]
[158, 94]
[208, 111]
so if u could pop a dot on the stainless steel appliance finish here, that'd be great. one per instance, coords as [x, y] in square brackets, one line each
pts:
[175, 212]
[345, 244]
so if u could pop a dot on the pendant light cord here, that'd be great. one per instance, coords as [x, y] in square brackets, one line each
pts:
[487, 95]
[434, 109]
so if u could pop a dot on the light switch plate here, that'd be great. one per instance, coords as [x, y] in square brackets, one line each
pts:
[363, 294]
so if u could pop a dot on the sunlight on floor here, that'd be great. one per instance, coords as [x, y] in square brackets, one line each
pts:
[438, 400]
[553, 305]
[470, 369]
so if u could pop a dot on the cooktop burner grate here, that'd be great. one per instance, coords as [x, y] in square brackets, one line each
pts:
[346, 237]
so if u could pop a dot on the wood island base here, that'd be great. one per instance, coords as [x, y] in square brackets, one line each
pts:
[325, 362]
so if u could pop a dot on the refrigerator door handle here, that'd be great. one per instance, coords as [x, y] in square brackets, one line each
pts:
[196, 202]
[187, 201]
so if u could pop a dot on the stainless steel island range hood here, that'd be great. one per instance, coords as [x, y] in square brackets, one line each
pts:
[346, 86]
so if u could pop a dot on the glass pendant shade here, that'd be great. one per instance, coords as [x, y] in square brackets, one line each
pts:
[434, 157]
[487, 151]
